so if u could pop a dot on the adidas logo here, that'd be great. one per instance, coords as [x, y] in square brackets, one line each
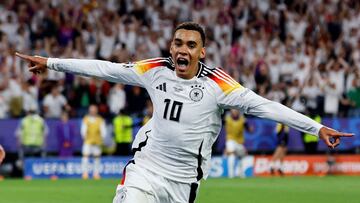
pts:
[161, 87]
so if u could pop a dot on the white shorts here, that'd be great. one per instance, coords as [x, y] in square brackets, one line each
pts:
[91, 150]
[142, 186]
[238, 149]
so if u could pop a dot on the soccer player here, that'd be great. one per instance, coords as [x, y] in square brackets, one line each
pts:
[282, 132]
[2, 154]
[188, 97]
[234, 126]
[93, 131]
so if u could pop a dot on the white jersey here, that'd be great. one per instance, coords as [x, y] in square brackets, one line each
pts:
[177, 142]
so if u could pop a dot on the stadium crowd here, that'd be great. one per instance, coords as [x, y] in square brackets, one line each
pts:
[302, 53]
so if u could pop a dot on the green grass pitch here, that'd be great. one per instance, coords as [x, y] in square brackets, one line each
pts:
[334, 189]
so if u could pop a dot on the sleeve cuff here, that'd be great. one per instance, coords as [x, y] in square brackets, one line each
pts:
[51, 62]
[318, 127]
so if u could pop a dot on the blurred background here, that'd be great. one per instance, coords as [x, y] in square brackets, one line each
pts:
[304, 54]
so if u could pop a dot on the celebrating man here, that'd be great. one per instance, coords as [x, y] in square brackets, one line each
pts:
[173, 149]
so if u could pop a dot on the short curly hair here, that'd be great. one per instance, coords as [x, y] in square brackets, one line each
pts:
[192, 26]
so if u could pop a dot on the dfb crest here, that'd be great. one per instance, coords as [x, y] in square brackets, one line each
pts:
[196, 93]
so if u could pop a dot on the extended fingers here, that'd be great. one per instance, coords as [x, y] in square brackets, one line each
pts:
[332, 137]
[335, 133]
[340, 134]
[26, 57]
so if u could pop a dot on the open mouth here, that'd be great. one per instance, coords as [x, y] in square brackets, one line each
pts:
[182, 63]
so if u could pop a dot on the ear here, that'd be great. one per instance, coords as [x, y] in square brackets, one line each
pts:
[202, 53]
[171, 48]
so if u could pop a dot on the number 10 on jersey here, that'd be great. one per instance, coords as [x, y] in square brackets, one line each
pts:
[175, 110]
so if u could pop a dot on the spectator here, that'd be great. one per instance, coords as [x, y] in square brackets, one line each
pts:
[15, 97]
[3, 107]
[277, 94]
[94, 91]
[127, 35]
[10, 27]
[355, 56]
[54, 103]
[153, 43]
[30, 96]
[296, 26]
[288, 67]
[117, 99]
[302, 73]
[334, 86]
[120, 53]
[80, 99]
[247, 78]
[136, 101]
[107, 39]
[262, 78]
[89, 39]
[297, 101]
[274, 59]
[311, 92]
[354, 96]
[298, 39]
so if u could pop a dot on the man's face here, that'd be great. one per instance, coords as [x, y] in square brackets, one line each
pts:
[93, 110]
[186, 50]
[235, 114]
[55, 91]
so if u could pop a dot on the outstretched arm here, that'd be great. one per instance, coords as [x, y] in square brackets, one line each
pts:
[264, 108]
[253, 104]
[2, 154]
[114, 72]
[230, 94]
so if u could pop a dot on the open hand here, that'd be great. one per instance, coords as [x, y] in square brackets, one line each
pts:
[37, 64]
[331, 137]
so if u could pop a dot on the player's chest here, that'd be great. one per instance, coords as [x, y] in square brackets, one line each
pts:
[176, 100]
